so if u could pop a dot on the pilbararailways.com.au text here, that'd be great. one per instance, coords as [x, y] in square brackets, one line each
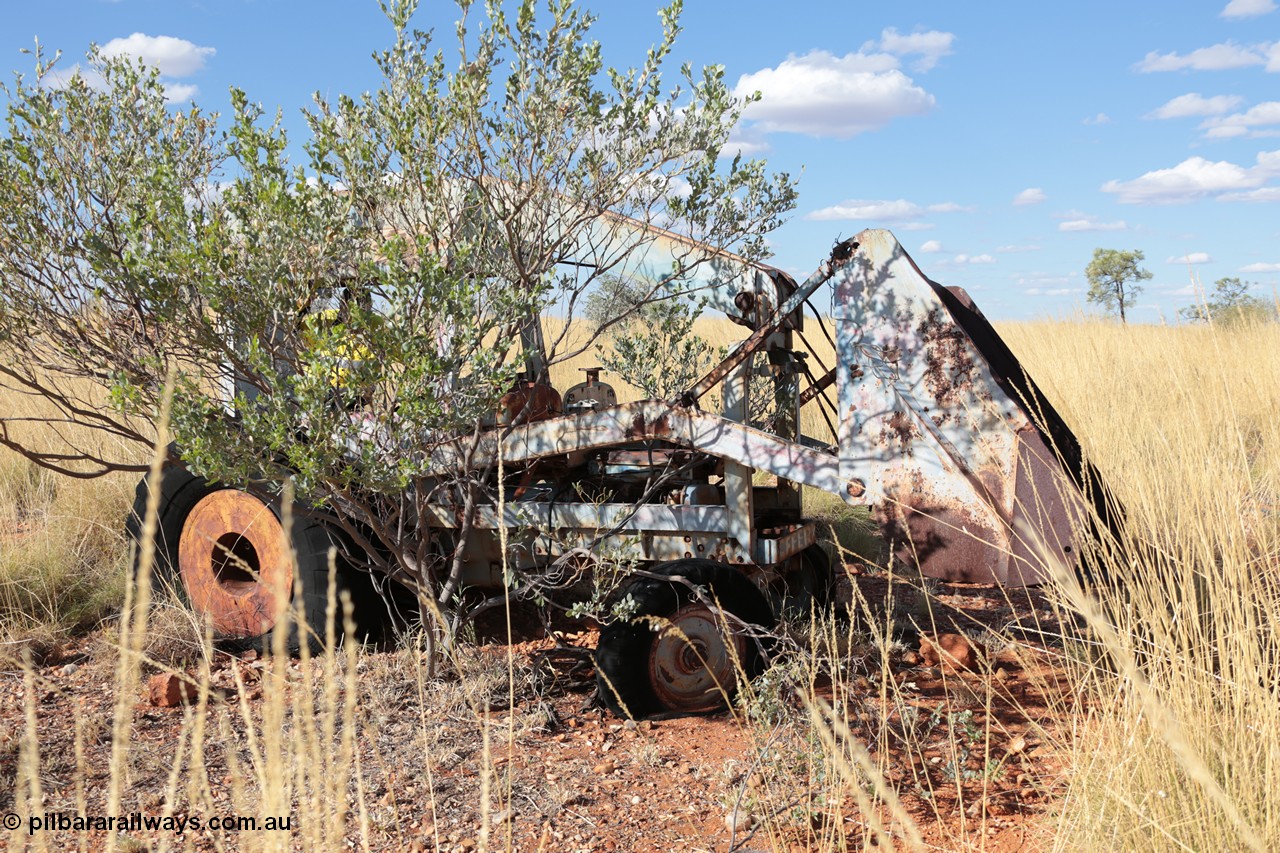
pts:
[139, 822]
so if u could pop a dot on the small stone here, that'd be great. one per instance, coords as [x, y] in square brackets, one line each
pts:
[635, 800]
[467, 844]
[502, 817]
[168, 690]
[1017, 745]
[604, 768]
[737, 820]
[69, 669]
[249, 655]
[950, 652]
[910, 659]
[630, 725]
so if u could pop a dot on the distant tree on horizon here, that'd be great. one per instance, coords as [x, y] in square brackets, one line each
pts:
[1113, 279]
[1230, 303]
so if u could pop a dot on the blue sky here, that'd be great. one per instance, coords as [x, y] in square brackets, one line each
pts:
[1001, 142]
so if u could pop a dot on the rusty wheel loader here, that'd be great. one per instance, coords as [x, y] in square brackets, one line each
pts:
[970, 473]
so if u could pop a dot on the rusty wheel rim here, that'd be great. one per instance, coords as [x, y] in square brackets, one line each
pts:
[691, 666]
[233, 563]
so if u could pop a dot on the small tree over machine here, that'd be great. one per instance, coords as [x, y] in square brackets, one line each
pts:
[323, 319]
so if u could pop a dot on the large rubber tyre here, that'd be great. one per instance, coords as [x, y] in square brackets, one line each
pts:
[625, 655]
[239, 604]
[806, 589]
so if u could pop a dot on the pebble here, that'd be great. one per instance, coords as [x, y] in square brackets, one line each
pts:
[604, 768]
[167, 690]
[635, 800]
[953, 652]
[69, 669]
[736, 820]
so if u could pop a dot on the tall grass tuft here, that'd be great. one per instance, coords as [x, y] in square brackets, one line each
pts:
[1180, 745]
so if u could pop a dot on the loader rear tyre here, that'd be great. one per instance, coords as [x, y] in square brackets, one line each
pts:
[224, 552]
[679, 653]
[806, 589]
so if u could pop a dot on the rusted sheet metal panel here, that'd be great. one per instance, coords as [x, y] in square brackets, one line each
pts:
[774, 548]
[959, 476]
[682, 426]
[623, 516]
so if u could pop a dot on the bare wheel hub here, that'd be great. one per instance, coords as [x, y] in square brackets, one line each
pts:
[233, 561]
[694, 660]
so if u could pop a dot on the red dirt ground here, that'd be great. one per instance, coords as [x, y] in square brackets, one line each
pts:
[577, 779]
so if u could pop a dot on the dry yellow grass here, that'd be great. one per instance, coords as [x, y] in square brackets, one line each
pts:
[1182, 752]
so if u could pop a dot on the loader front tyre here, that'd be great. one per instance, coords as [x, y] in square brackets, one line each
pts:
[682, 652]
[225, 551]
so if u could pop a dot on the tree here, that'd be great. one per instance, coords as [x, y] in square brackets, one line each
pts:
[143, 244]
[1231, 304]
[1113, 279]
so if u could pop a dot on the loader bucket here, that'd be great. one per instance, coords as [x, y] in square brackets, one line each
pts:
[972, 474]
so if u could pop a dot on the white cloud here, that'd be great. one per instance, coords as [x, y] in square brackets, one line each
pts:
[1262, 194]
[973, 259]
[1008, 250]
[1191, 258]
[1194, 178]
[1100, 118]
[173, 57]
[838, 96]
[1260, 267]
[1238, 124]
[1248, 8]
[61, 77]
[175, 92]
[746, 140]
[931, 247]
[900, 210]
[1218, 57]
[929, 46]
[1195, 104]
[1090, 223]
[1031, 195]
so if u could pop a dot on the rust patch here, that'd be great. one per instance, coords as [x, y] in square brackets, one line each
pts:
[942, 538]
[637, 428]
[529, 402]
[950, 372]
[233, 564]
[898, 430]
